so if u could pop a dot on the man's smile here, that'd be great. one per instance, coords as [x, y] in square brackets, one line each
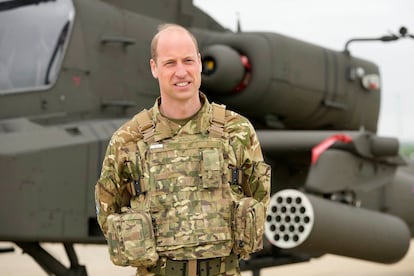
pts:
[182, 84]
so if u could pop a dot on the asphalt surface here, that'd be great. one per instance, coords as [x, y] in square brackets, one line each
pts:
[95, 257]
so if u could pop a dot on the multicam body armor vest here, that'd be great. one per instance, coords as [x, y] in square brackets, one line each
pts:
[188, 194]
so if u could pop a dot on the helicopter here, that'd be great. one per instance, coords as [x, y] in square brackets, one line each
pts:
[72, 71]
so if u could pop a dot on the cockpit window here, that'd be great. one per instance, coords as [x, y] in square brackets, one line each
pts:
[33, 39]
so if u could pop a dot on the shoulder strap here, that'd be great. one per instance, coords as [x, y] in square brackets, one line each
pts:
[216, 130]
[218, 120]
[146, 125]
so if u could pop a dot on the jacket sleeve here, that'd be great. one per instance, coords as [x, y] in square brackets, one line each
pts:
[111, 192]
[256, 173]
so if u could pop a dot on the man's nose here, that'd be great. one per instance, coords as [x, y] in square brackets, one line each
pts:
[181, 70]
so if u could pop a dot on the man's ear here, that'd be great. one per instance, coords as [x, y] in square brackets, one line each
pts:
[154, 70]
[201, 64]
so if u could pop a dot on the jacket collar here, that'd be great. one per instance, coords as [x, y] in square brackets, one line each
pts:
[165, 128]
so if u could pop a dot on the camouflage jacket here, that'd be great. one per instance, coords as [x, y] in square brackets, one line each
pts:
[111, 190]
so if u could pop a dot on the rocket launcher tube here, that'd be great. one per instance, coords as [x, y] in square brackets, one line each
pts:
[305, 223]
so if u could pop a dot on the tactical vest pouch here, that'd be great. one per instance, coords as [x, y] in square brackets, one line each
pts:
[248, 226]
[131, 239]
[211, 172]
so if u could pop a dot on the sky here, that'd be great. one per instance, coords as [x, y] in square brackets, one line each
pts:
[330, 23]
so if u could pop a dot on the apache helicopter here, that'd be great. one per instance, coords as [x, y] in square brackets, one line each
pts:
[72, 71]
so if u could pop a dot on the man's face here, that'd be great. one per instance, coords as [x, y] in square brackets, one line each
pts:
[177, 66]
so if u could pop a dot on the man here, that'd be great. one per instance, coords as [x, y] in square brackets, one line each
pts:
[191, 165]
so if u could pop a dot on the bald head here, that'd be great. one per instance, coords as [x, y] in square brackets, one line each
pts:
[167, 28]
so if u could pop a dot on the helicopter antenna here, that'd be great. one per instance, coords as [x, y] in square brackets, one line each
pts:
[403, 33]
[238, 22]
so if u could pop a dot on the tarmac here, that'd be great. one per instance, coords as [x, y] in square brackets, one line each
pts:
[96, 260]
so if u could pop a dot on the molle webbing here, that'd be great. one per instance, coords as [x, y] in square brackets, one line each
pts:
[190, 199]
[146, 127]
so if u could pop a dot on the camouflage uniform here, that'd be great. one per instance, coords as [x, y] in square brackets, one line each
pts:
[120, 167]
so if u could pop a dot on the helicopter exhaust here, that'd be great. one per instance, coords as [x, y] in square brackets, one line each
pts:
[279, 73]
[305, 223]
